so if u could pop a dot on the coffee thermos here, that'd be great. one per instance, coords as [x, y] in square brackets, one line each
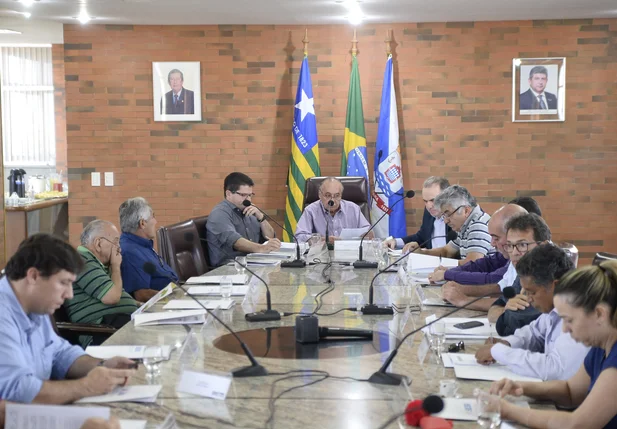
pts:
[16, 182]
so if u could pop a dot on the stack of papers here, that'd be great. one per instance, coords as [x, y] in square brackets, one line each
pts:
[266, 259]
[466, 367]
[187, 317]
[237, 279]
[216, 290]
[130, 352]
[179, 304]
[144, 393]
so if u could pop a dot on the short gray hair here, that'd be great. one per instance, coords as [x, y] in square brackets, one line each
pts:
[436, 180]
[132, 211]
[454, 196]
[94, 229]
[331, 179]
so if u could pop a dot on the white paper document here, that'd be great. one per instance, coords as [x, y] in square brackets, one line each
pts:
[216, 290]
[181, 304]
[237, 279]
[186, 317]
[133, 424]
[465, 409]
[130, 352]
[203, 384]
[488, 373]
[33, 416]
[144, 393]
[156, 298]
[451, 359]
[420, 262]
[351, 233]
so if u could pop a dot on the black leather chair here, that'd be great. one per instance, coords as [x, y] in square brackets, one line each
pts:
[200, 223]
[571, 250]
[603, 256]
[182, 250]
[355, 189]
[71, 331]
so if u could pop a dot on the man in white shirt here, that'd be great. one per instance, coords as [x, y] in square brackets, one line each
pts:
[539, 349]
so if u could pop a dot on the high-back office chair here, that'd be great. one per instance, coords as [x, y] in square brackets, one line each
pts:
[571, 250]
[355, 189]
[200, 223]
[71, 331]
[603, 256]
[182, 249]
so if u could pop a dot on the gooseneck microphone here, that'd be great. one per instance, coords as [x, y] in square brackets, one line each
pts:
[255, 369]
[261, 316]
[371, 308]
[383, 377]
[328, 245]
[360, 263]
[298, 262]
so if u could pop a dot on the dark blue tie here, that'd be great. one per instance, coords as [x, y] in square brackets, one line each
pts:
[175, 99]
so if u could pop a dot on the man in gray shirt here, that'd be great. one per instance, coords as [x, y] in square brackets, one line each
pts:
[235, 230]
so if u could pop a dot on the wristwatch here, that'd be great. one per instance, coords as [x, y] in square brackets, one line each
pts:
[262, 219]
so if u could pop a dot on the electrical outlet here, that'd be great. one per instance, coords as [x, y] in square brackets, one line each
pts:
[109, 178]
[96, 178]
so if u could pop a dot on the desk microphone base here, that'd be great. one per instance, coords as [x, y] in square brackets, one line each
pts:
[364, 264]
[387, 378]
[249, 371]
[376, 310]
[263, 316]
[298, 263]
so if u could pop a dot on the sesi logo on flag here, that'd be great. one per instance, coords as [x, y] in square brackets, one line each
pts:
[389, 175]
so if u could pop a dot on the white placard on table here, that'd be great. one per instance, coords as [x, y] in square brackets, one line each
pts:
[202, 384]
[156, 298]
[130, 352]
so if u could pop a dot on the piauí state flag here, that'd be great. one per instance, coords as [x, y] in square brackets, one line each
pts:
[304, 160]
[354, 159]
[388, 173]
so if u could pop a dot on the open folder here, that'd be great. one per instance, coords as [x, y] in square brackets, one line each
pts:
[183, 317]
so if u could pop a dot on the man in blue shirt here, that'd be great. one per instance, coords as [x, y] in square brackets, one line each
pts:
[35, 364]
[138, 226]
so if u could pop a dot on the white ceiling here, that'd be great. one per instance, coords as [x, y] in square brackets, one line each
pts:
[187, 12]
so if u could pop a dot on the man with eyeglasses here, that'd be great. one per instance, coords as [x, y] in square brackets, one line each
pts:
[329, 215]
[98, 296]
[235, 230]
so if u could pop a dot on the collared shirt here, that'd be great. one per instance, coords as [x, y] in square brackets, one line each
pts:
[177, 96]
[542, 350]
[30, 351]
[509, 276]
[226, 225]
[474, 236]
[439, 231]
[136, 252]
[89, 288]
[316, 219]
[482, 271]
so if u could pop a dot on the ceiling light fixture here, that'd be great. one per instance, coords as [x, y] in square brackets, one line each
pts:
[83, 17]
[25, 14]
[7, 31]
[27, 3]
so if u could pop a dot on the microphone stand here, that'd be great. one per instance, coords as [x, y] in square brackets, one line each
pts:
[373, 309]
[298, 262]
[255, 369]
[360, 263]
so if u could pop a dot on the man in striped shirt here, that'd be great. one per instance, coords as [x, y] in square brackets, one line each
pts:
[98, 296]
[462, 213]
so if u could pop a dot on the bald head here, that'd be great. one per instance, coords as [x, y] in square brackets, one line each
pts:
[497, 225]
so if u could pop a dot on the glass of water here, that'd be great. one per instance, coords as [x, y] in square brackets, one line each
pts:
[315, 240]
[240, 264]
[438, 336]
[226, 286]
[153, 356]
[489, 409]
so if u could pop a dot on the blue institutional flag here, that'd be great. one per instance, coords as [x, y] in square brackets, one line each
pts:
[388, 172]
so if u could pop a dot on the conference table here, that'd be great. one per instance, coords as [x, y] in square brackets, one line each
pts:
[318, 401]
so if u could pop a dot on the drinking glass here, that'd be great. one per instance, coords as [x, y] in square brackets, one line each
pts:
[438, 334]
[240, 263]
[489, 409]
[226, 286]
[153, 356]
[314, 240]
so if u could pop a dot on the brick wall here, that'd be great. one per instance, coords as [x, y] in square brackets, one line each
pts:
[453, 81]
[57, 54]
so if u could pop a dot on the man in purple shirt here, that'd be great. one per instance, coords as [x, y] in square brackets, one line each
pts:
[330, 214]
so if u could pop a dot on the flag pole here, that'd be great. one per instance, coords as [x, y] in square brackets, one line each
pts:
[388, 43]
[305, 41]
[354, 44]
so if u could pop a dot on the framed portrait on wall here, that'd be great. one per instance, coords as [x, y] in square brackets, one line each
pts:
[538, 90]
[177, 91]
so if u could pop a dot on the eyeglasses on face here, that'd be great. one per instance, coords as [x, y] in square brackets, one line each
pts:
[446, 215]
[330, 196]
[109, 241]
[245, 196]
[523, 246]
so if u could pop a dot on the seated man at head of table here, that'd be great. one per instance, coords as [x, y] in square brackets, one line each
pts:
[540, 349]
[234, 229]
[461, 212]
[433, 232]
[138, 226]
[98, 295]
[329, 215]
[36, 365]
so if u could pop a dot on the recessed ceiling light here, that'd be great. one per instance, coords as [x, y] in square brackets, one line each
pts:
[7, 31]
[355, 18]
[83, 17]
[27, 3]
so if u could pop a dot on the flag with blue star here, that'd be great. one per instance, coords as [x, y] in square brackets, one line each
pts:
[388, 171]
[354, 159]
[304, 160]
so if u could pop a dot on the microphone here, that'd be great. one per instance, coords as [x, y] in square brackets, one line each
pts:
[308, 331]
[328, 245]
[298, 262]
[372, 309]
[360, 263]
[383, 377]
[261, 316]
[418, 409]
[377, 162]
[509, 292]
[255, 369]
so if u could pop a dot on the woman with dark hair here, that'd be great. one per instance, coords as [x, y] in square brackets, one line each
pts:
[586, 300]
